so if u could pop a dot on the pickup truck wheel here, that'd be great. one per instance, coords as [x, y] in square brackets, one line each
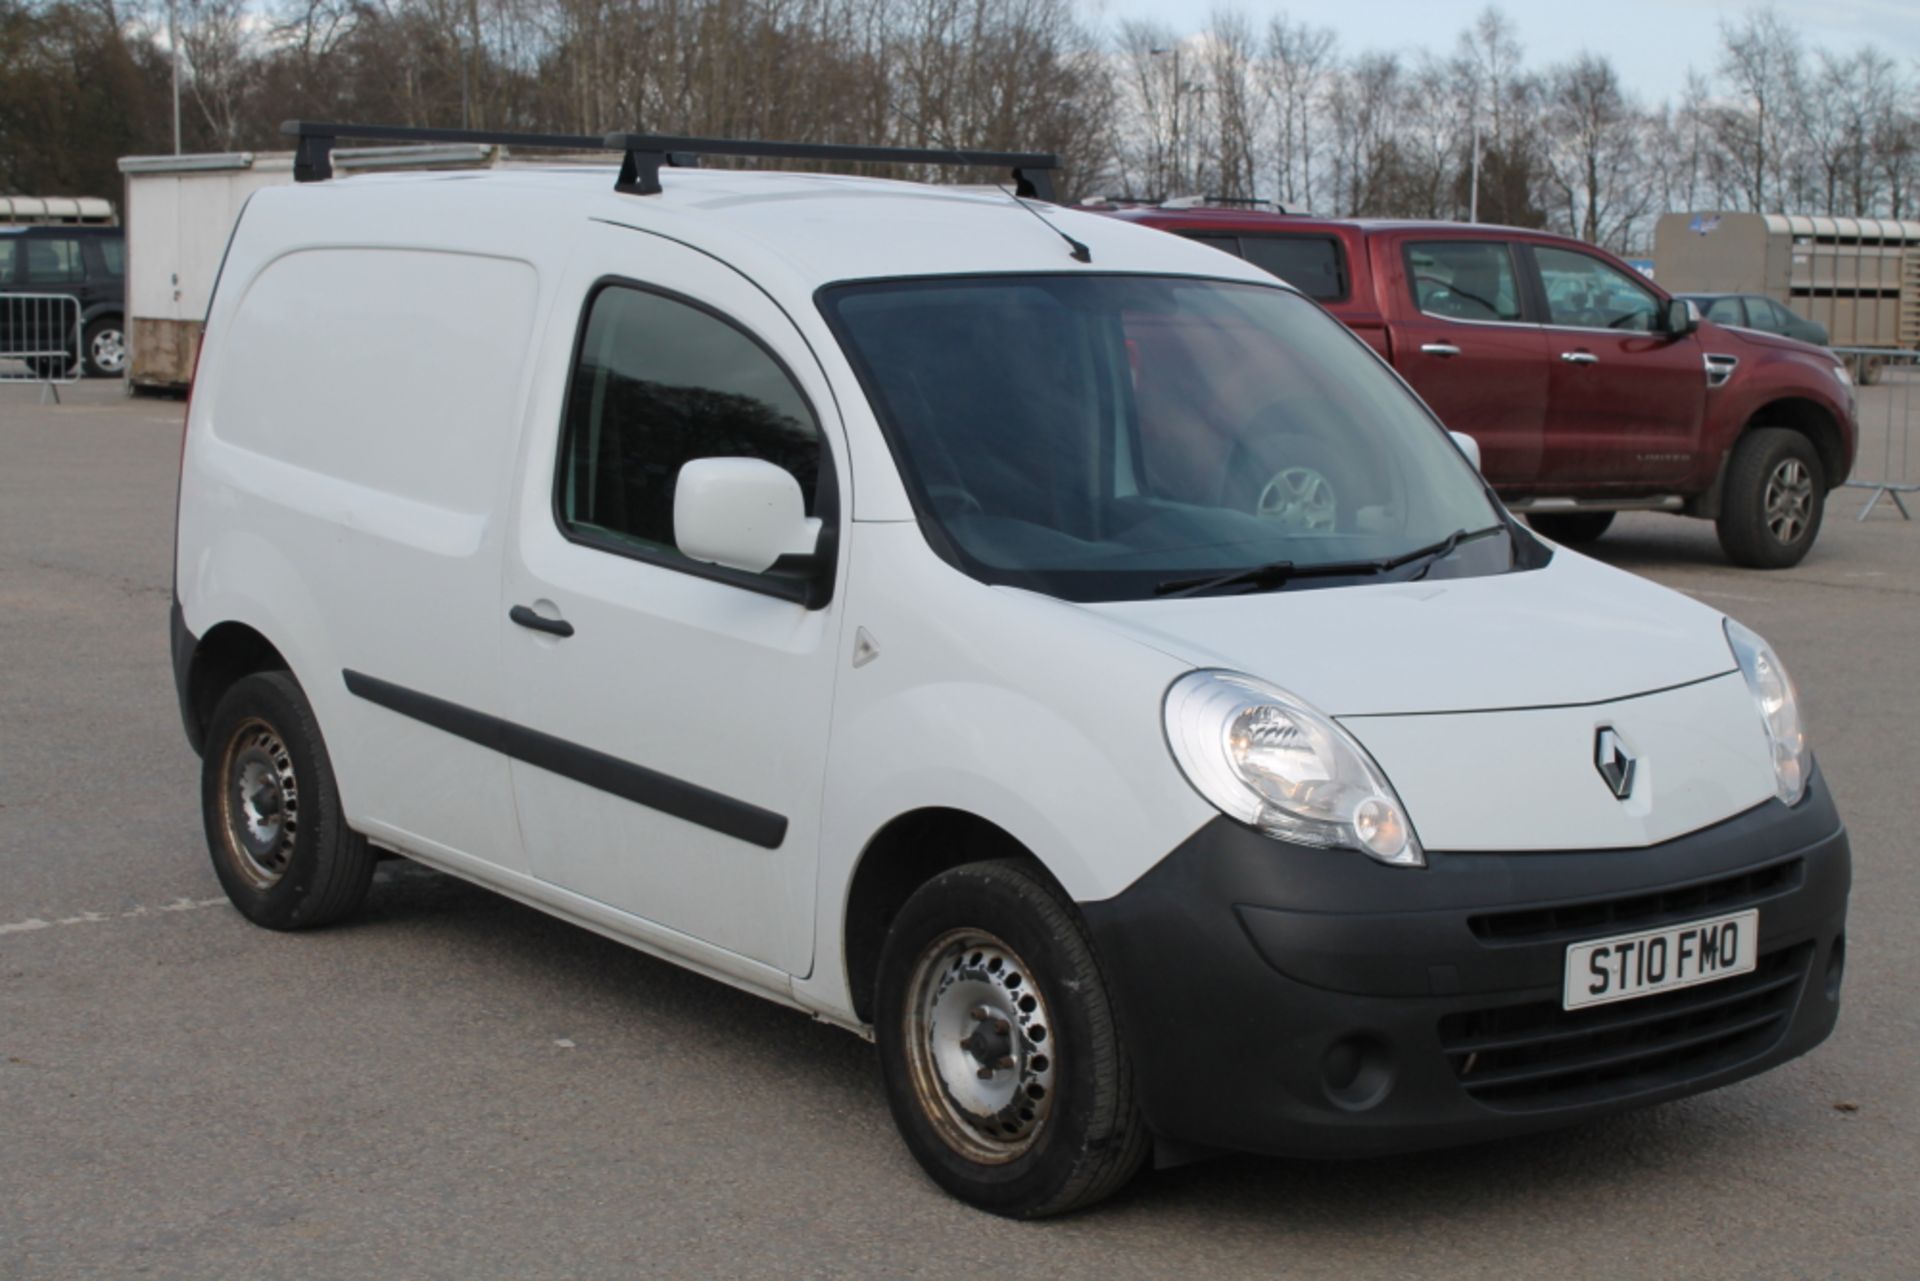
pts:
[1571, 529]
[280, 845]
[1776, 493]
[998, 1048]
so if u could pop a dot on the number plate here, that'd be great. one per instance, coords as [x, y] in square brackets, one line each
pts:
[1630, 965]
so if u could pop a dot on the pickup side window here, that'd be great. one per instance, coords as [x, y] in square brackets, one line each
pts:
[658, 382]
[1464, 280]
[1586, 293]
[1315, 265]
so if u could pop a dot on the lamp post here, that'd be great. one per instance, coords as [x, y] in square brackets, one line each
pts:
[173, 48]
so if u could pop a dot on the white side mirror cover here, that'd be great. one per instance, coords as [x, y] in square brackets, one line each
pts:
[1468, 446]
[744, 513]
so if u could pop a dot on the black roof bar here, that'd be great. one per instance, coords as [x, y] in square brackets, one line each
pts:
[646, 153]
[313, 150]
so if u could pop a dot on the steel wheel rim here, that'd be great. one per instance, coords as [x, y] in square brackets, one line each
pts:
[1300, 498]
[109, 350]
[1789, 500]
[259, 803]
[980, 1046]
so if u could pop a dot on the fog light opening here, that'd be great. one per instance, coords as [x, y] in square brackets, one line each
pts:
[1356, 1072]
[1836, 966]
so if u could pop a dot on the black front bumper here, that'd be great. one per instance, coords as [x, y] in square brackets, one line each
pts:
[1316, 1003]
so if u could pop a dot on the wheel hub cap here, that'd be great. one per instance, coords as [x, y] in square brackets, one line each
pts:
[262, 803]
[109, 350]
[980, 1046]
[1789, 500]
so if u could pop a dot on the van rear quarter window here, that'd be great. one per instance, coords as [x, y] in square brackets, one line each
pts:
[397, 370]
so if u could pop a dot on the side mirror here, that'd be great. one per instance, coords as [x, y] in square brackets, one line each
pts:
[1679, 319]
[1468, 446]
[744, 513]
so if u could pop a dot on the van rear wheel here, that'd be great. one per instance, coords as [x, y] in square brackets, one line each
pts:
[998, 1045]
[280, 845]
[1775, 496]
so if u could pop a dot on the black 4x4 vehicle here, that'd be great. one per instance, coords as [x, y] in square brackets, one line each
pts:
[88, 263]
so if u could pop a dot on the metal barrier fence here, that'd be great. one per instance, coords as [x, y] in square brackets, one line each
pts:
[40, 340]
[1887, 388]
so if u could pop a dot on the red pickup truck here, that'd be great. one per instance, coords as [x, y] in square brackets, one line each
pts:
[1588, 388]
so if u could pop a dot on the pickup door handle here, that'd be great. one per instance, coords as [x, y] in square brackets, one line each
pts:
[1442, 349]
[525, 616]
[1579, 358]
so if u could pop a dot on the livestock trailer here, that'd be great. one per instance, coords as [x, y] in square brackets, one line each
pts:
[1860, 277]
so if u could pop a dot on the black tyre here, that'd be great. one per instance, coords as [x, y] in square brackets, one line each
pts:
[1002, 1062]
[103, 348]
[280, 846]
[1774, 498]
[1571, 529]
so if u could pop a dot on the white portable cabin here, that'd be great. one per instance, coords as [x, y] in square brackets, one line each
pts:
[1860, 277]
[180, 213]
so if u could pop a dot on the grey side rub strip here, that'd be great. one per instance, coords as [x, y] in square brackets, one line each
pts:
[598, 770]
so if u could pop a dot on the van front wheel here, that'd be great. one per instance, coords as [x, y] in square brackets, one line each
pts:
[1002, 1063]
[280, 845]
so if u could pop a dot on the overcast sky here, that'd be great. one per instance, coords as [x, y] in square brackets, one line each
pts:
[1651, 42]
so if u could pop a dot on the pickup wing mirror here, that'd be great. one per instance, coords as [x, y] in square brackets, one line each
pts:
[1468, 446]
[744, 513]
[1679, 318]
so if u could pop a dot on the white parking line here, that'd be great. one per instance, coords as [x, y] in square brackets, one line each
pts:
[182, 904]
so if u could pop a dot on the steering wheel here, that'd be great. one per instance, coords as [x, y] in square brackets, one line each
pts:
[1299, 498]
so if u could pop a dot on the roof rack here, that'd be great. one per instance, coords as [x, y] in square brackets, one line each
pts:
[314, 141]
[647, 153]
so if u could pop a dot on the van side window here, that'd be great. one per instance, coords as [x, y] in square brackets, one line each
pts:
[1464, 279]
[656, 384]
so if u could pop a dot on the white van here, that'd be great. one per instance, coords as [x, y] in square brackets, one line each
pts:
[1057, 650]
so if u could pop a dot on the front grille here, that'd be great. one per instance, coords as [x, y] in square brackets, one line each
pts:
[1568, 921]
[1539, 1056]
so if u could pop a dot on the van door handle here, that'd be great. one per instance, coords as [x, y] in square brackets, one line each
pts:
[525, 616]
[1439, 349]
[1579, 358]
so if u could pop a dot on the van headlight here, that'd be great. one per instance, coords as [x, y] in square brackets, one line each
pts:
[1779, 706]
[1262, 756]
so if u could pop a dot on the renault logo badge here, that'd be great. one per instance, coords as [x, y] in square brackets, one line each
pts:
[1614, 761]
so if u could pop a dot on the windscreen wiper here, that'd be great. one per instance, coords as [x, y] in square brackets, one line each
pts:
[1281, 572]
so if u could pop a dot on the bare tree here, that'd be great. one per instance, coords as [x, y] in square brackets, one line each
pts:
[1595, 141]
[1760, 59]
[1299, 62]
[220, 51]
[1238, 106]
